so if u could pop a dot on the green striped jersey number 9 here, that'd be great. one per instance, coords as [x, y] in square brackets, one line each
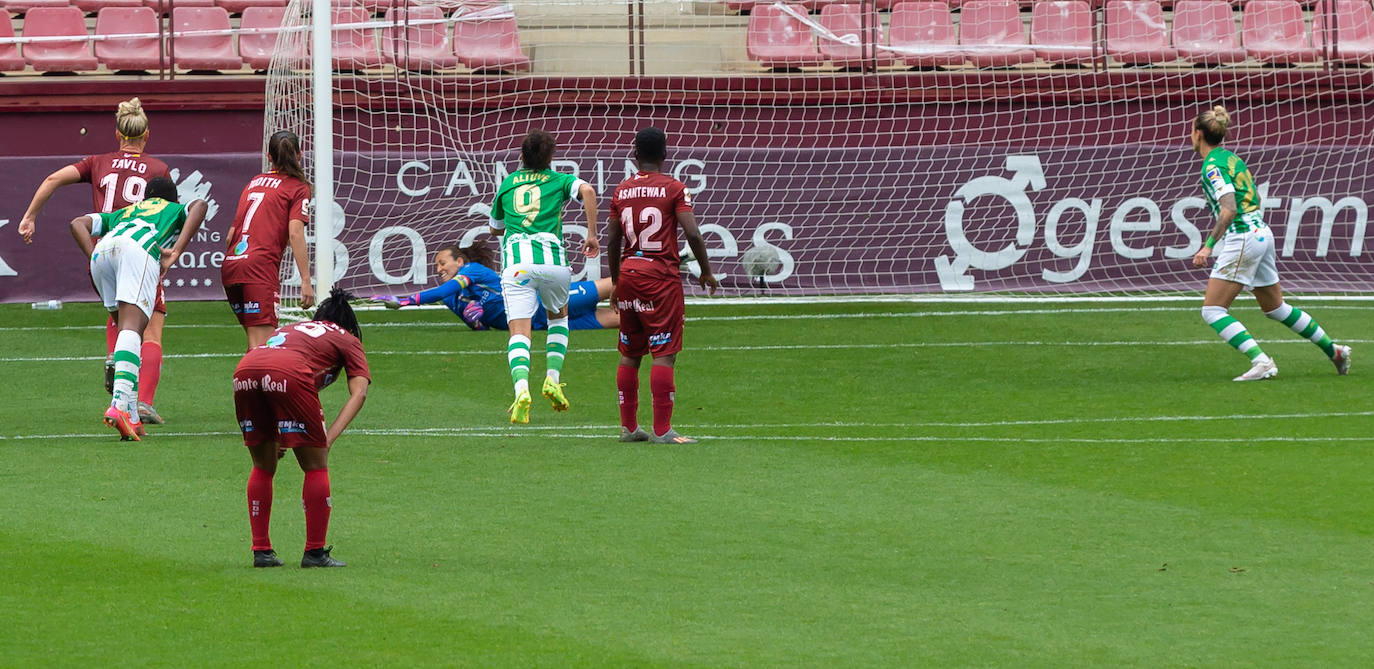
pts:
[527, 203]
[1246, 183]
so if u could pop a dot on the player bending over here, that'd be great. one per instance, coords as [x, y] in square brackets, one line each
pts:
[472, 291]
[646, 211]
[272, 213]
[127, 265]
[277, 402]
[117, 180]
[1246, 256]
[528, 209]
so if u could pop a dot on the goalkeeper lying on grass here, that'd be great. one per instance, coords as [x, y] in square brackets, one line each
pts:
[472, 290]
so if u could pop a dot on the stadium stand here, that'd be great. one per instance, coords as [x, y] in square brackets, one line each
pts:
[353, 48]
[993, 29]
[1062, 31]
[61, 56]
[23, 6]
[492, 44]
[1205, 32]
[163, 7]
[1137, 33]
[204, 52]
[94, 6]
[847, 19]
[419, 48]
[1351, 37]
[778, 41]
[10, 60]
[127, 53]
[925, 26]
[1273, 31]
[238, 6]
[257, 48]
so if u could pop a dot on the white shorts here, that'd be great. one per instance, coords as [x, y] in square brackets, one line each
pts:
[123, 272]
[1247, 258]
[524, 286]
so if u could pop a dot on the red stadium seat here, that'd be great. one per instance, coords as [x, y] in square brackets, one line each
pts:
[129, 53]
[206, 52]
[1353, 38]
[23, 6]
[1273, 32]
[354, 48]
[492, 44]
[990, 32]
[420, 48]
[164, 6]
[64, 56]
[1062, 31]
[238, 6]
[778, 41]
[1205, 32]
[257, 48]
[847, 19]
[10, 60]
[97, 5]
[926, 29]
[1137, 34]
[750, 5]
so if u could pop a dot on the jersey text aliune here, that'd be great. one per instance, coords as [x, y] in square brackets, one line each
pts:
[262, 226]
[529, 207]
[118, 179]
[646, 206]
[320, 348]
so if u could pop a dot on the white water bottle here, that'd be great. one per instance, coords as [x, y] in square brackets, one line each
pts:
[47, 304]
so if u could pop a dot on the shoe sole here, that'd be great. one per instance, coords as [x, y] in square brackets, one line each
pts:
[1267, 375]
[126, 432]
[520, 412]
[553, 399]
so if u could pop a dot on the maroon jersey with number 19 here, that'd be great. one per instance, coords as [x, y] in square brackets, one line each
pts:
[118, 179]
[261, 228]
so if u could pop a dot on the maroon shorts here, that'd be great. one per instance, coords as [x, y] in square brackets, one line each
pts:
[254, 303]
[276, 406]
[649, 297]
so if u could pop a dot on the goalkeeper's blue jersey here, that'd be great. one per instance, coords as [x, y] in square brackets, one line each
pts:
[483, 287]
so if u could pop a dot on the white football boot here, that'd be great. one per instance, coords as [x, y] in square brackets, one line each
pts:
[1261, 370]
[1342, 360]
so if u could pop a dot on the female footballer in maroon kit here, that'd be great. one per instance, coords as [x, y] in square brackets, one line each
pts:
[646, 211]
[272, 210]
[117, 179]
[277, 402]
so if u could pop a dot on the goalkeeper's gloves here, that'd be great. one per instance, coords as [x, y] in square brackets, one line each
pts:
[472, 315]
[396, 302]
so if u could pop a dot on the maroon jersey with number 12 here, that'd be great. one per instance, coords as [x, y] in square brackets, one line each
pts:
[261, 228]
[646, 206]
[118, 179]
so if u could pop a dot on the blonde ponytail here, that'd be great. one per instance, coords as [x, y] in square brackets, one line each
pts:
[1213, 123]
[130, 121]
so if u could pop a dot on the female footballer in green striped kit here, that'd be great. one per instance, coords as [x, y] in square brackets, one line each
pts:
[1243, 247]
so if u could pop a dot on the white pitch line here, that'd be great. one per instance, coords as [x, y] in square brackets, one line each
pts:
[742, 317]
[727, 349]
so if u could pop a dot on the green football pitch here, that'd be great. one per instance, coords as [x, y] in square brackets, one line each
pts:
[878, 484]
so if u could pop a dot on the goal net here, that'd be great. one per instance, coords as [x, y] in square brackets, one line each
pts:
[836, 150]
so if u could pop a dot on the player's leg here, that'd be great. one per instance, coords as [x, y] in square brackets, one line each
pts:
[150, 363]
[633, 345]
[259, 489]
[317, 500]
[1236, 264]
[554, 286]
[136, 274]
[664, 327]
[111, 334]
[521, 303]
[1270, 299]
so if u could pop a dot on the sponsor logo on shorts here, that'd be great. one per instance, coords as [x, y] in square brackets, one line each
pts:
[290, 427]
[245, 425]
[660, 338]
[236, 307]
[245, 384]
[252, 308]
[636, 305]
[624, 339]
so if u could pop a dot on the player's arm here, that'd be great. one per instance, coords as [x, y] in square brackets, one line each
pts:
[357, 394]
[688, 222]
[195, 215]
[587, 194]
[1226, 213]
[81, 232]
[438, 293]
[63, 177]
[615, 237]
[296, 237]
[497, 222]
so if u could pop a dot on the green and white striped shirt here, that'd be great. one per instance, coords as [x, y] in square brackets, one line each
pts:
[153, 224]
[529, 207]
